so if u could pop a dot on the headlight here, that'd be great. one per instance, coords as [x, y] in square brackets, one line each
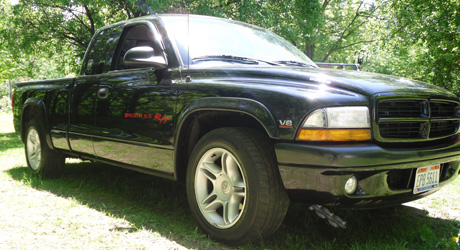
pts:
[337, 124]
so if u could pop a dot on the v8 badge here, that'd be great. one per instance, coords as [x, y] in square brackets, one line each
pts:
[285, 123]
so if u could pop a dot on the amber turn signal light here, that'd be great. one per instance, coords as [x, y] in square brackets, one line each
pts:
[334, 135]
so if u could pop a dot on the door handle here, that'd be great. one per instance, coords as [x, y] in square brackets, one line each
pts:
[103, 93]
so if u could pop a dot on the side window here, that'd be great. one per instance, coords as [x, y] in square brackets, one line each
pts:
[133, 36]
[101, 51]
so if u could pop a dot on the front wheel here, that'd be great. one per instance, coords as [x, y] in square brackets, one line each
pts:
[41, 159]
[233, 186]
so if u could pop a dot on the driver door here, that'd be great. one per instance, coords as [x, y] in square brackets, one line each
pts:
[135, 109]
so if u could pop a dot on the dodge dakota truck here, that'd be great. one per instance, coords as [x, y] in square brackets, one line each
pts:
[244, 119]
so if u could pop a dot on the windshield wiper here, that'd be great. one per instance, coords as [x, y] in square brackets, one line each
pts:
[230, 58]
[295, 63]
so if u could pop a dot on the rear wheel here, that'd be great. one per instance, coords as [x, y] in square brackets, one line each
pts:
[41, 159]
[233, 186]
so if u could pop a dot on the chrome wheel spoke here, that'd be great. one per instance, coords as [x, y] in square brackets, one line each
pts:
[232, 210]
[239, 189]
[212, 206]
[209, 170]
[230, 167]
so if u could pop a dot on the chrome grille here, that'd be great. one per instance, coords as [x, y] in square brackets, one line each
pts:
[441, 128]
[400, 129]
[442, 109]
[399, 109]
[402, 119]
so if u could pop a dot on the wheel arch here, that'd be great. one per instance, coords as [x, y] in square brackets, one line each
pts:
[207, 114]
[35, 108]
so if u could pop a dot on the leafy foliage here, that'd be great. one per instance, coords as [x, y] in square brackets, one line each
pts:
[47, 39]
[419, 40]
[433, 28]
[348, 26]
[413, 38]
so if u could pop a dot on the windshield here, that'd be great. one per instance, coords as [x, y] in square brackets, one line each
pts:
[213, 37]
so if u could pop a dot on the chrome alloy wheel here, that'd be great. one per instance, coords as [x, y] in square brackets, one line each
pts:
[33, 148]
[220, 188]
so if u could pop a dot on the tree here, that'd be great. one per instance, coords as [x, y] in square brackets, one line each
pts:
[433, 26]
[44, 29]
[47, 39]
[419, 40]
[414, 38]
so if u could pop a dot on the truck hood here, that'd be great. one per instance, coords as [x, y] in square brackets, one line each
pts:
[368, 84]
[374, 84]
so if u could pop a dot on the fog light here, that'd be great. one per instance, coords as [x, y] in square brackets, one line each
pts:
[351, 185]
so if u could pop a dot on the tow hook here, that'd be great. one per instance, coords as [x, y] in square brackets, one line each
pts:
[333, 219]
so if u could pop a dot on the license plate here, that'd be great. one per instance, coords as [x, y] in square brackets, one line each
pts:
[426, 178]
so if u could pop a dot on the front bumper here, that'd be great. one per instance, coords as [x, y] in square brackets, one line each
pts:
[317, 174]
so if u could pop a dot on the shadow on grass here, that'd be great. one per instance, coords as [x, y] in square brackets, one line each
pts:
[161, 205]
[9, 141]
[400, 227]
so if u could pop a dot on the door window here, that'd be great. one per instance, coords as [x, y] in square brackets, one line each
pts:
[100, 54]
[134, 36]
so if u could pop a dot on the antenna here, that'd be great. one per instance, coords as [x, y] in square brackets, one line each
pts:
[189, 61]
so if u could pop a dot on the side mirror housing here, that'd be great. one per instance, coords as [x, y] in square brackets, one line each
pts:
[144, 56]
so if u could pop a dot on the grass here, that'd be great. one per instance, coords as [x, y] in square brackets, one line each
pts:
[95, 206]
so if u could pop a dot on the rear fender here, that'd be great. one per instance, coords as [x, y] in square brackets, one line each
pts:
[35, 108]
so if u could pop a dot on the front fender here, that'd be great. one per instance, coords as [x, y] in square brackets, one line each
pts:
[247, 106]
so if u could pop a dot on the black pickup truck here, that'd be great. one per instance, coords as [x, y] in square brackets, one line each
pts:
[244, 119]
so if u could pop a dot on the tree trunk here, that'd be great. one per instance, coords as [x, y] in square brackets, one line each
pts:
[310, 50]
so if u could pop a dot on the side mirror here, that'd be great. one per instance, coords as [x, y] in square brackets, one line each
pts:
[144, 56]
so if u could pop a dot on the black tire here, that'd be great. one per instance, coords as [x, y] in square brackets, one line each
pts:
[234, 188]
[41, 159]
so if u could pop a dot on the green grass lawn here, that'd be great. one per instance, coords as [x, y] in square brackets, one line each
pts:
[96, 206]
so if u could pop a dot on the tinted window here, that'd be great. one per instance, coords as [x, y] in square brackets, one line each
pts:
[101, 51]
[134, 36]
